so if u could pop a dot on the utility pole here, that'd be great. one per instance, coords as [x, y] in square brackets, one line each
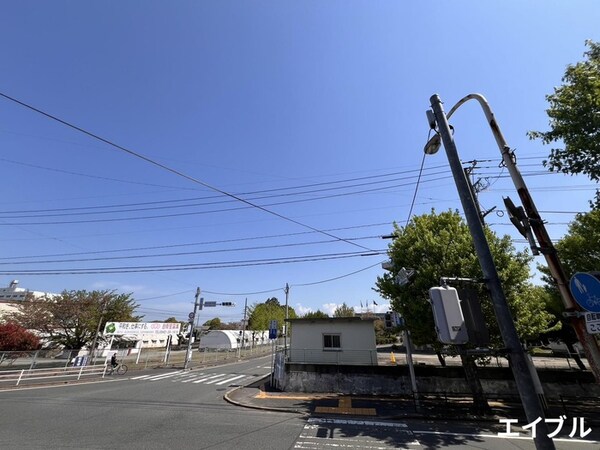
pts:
[285, 325]
[93, 349]
[523, 379]
[197, 305]
[243, 330]
[545, 246]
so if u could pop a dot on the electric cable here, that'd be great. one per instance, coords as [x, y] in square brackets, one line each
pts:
[174, 171]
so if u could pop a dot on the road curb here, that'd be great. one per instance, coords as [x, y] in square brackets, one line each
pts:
[228, 399]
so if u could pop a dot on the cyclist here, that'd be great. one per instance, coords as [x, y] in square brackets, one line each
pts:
[113, 361]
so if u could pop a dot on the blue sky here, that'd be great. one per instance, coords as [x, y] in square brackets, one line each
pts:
[314, 111]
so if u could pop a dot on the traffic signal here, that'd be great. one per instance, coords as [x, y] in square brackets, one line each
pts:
[227, 304]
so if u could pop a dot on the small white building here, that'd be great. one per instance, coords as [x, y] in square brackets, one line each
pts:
[338, 340]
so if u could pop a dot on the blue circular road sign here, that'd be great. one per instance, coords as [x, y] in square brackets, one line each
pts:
[585, 288]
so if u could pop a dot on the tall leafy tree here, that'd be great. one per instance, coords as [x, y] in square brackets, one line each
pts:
[261, 314]
[71, 318]
[440, 245]
[579, 251]
[214, 324]
[344, 311]
[574, 114]
[318, 314]
[14, 337]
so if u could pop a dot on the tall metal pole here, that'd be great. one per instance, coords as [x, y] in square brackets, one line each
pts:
[588, 342]
[93, 349]
[285, 325]
[188, 352]
[243, 330]
[411, 367]
[524, 381]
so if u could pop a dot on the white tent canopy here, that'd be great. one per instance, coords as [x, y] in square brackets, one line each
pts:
[230, 339]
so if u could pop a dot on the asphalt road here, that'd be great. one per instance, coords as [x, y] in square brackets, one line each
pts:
[173, 409]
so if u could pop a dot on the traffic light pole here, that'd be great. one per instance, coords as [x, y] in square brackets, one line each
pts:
[197, 305]
[524, 381]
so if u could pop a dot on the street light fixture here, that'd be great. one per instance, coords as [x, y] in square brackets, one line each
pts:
[433, 145]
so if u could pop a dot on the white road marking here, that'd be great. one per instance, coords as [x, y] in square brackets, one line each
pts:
[141, 377]
[356, 422]
[189, 378]
[230, 379]
[163, 376]
[528, 438]
[208, 378]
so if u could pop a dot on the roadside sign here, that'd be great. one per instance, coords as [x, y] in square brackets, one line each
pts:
[210, 304]
[273, 329]
[585, 288]
[191, 316]
[592, 322]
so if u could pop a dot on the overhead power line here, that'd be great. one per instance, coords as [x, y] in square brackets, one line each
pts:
[174, 171]
[190, 244]
[67, 212]
[198, 266]
[189, 253]
[127, 207]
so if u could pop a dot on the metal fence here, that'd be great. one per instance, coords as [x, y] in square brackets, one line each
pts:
[37, 359]
[40, 376]
[134, 358]
[338, 357]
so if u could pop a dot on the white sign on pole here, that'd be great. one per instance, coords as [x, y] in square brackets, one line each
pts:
[592, 322]
[129, 328]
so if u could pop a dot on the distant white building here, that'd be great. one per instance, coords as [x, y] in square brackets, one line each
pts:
[12, 295]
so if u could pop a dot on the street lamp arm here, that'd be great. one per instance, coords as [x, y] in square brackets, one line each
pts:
[489, 115]
[588, 341]
[533, 214]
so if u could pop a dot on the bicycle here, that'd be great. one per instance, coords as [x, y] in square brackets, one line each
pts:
[121, 369]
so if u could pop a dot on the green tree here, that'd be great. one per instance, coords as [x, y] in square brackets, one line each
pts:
[214, 324]
[14, 337]
[272, 301]
[383, 335]
[440, 245]
[574, 112]
[71, 318]
[318, 314]
[579, 251]
[261, 314]
[344, 311]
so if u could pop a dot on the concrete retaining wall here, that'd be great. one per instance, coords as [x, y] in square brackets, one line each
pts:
[395, 380]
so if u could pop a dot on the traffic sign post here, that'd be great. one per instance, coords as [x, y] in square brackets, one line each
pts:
[585, 288]
[273, 329]
[592, 322]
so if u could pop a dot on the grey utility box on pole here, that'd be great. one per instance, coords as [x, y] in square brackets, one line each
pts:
[448, 316]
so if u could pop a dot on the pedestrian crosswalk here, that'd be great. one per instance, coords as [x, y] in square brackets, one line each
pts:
[217, 379]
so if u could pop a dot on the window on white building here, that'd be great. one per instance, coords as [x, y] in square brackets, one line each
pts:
[331, 342]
